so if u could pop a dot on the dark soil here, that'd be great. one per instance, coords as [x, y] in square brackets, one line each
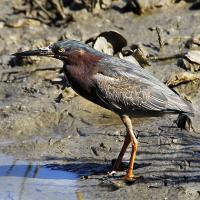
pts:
[81, 137]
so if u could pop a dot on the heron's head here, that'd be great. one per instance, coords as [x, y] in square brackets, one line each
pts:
[70, 51]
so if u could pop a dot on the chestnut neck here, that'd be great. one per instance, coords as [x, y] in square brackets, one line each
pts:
[82, 58]
[79, 69]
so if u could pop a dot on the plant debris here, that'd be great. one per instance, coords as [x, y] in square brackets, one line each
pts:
[48, 12]
[191, 61]
[181, 77]
[95, 6]
[108, 39]
[144, 6]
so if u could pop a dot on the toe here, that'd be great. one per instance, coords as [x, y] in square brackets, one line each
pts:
[131, 178]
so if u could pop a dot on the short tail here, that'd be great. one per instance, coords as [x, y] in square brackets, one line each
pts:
[180, 104]
[188, 109]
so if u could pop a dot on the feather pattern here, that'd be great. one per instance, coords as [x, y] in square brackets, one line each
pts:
[128, 88]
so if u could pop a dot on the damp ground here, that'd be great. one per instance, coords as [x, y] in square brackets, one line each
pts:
[64, 149]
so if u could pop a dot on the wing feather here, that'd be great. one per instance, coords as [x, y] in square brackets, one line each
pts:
[129, 95]
[125, 86]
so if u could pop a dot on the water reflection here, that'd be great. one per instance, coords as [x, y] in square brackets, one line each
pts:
[22, 180]
[35, 171]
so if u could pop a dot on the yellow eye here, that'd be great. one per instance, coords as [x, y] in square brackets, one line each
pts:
[61, 50]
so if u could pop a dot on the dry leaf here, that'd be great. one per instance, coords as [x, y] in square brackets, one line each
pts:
[191, 61]
[113, 38]
[193, 56]
[129, 58]
[104, 46]
[181, 77]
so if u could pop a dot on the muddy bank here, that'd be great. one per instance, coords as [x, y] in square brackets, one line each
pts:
[43, 122]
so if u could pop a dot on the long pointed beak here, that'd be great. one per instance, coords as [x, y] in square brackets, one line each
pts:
[46, 51]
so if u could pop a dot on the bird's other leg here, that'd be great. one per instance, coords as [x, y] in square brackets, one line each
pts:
[122, 152]
[127, 122]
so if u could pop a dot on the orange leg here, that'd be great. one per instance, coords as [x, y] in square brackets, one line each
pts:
[127, 122]
[122, 152]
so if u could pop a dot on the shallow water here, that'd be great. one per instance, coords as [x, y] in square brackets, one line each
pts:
[30, 180]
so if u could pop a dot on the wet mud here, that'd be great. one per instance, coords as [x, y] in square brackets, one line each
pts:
[55, 144]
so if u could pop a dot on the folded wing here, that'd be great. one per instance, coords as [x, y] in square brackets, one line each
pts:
[128, 87]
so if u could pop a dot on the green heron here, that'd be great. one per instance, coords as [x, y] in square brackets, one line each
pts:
[115, 84]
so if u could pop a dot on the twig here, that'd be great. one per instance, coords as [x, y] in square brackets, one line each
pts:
[5, 75]
[160, 37]
[38, 19]
[31, 71]
[160, 58]
[59, 7]
[43, 9]
[45, 69]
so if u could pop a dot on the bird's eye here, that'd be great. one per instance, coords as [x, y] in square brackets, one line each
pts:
[61, 50]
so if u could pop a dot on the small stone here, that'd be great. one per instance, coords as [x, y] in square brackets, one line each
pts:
[2, 24]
